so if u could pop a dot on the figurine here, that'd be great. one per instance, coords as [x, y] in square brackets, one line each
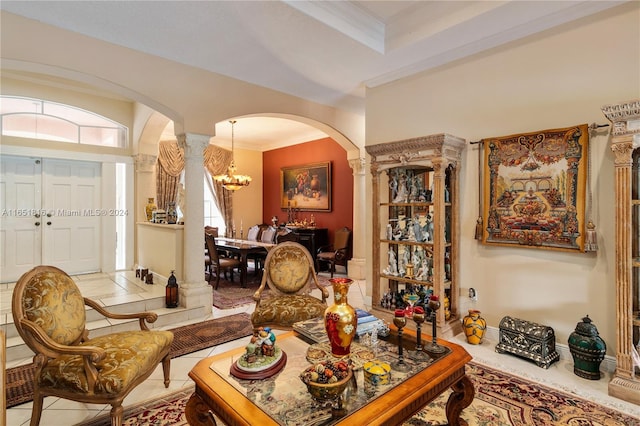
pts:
[392, 268]
[402, 193]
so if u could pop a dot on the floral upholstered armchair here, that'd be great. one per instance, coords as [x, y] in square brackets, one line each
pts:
[49, 313]
[290, 277]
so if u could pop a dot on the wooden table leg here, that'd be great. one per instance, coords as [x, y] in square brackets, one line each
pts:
[198, 413]
[460, 398]
[243, 269]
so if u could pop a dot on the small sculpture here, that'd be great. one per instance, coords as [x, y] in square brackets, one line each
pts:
[403, 193]
[392, 268]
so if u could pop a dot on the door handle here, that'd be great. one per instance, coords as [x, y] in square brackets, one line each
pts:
[49, 223]
[37, 223]
[37, 215]
[48, 214]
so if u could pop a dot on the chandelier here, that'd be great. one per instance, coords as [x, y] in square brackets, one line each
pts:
[232, 181]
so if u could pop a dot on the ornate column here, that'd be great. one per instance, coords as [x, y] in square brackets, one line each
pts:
[357, 264]
[194, 291]
[625, 138]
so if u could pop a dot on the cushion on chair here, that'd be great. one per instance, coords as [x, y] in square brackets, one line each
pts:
[286, 310]
[326, 255]
[289, 272]
[53, 302]
[129, 354]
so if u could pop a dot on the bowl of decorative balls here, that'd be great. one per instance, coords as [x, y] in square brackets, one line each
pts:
[327, 380]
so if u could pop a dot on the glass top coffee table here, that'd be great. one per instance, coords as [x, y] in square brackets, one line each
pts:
[283, 399]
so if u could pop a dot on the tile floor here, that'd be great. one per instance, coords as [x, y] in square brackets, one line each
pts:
[121, 287]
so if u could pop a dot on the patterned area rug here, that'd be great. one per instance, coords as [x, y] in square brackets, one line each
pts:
[501, 400]
[230, 294]
[186, 339]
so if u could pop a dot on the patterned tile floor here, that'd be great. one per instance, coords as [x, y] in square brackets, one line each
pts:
[117, 288]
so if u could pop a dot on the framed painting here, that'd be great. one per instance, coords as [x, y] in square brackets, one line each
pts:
[534, 187]
[306, 187]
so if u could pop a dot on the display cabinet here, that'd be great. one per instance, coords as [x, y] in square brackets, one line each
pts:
[415, 226]
[625, 143]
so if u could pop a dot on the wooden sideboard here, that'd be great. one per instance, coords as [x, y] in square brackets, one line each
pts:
[312, 238]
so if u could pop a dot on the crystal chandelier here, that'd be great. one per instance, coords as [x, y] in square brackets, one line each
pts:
[233, 181]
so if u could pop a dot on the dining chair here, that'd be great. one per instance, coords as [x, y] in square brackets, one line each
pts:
[253, 232]
[49, 314]
[217, 263]
[253, 235]
[290, 277]
[269, 235]
[337, 254]
[286, 234]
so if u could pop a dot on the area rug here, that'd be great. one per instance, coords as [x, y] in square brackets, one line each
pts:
[501, 400]
[186, 339]
[231, 294]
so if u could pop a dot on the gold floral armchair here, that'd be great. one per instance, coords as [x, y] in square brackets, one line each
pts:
[49, 313]
[290, 277]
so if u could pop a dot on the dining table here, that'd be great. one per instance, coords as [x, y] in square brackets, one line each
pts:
[242, 248]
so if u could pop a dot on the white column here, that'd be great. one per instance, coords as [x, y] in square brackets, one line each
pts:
[357, 264]
[194, 291]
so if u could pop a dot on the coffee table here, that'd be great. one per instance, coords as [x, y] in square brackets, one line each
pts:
[283, 399]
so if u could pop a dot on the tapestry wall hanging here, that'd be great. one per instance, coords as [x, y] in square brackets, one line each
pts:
[534, 189]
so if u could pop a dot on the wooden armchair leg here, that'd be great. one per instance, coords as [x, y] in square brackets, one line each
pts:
[116, 414]
[166, 370]
[36, 410]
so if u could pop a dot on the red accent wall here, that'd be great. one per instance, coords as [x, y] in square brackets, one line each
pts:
[327, 149]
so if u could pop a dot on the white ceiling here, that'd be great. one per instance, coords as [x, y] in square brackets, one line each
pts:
[324, 51]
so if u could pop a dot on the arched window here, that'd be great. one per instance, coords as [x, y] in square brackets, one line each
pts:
[40, 119]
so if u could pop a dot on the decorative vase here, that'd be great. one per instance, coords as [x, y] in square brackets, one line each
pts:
[474, 327]
[587, 349]
[172, 213]
[151, 206]
[340, 319]
[315, 183]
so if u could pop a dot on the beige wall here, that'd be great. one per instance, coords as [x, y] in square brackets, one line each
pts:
[247, 202]
[556, 79]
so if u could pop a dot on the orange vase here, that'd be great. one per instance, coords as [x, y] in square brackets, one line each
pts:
[474, 327]
[340, 319]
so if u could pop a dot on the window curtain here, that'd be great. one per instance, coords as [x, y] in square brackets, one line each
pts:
[169, 166]
[216, 162]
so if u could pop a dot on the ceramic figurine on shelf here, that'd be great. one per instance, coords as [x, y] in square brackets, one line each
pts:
[411, 236]
[402, 194]
[389, 232]
[392, 268]
[416, 188]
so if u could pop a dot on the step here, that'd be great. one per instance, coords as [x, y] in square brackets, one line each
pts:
[17, 350]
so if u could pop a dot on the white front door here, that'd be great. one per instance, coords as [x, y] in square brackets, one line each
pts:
[53, 207]
[71, 227]
[20, 216]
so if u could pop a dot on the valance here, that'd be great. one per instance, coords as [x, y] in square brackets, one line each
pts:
[216, 160]
[170, 157]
